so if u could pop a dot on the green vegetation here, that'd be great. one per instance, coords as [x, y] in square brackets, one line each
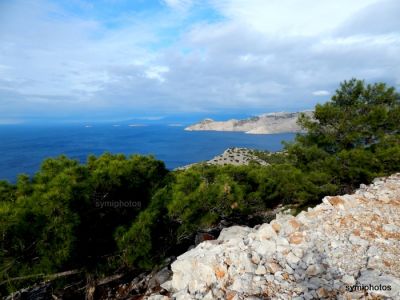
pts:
[116, 212]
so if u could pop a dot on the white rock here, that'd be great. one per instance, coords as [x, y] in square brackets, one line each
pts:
[314, 270]
[234, 233]
[266, 232]
[298, 252]
[389, 286]
[261, 270]
[391, 228]
[157, 297]
[348, 280]
[292, 259]
[266, 248]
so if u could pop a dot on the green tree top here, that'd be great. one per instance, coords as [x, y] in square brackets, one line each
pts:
[359, 115]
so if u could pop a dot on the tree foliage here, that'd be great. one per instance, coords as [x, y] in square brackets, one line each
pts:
[351, 136]
[66, 215]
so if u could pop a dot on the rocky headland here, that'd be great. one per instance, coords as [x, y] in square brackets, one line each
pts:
[348, 247]
[232, 156]
[280, 122]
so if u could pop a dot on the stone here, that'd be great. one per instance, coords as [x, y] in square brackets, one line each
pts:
[292, 259]
[298, 252]
[266, 248]
[167, 285]
[266, 232]
[158, 297]
[355, 240]
[382, 284]
[234, 233]
[160, 277]
[203, 236]
[296, 238]
[313, 270]
[322, 293]
[276, 226]
[348, 280]
[391, 228]
[312, 256]
[273, 267]
[255, 258]
[261, 270]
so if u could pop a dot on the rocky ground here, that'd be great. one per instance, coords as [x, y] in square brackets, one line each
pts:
[232, 156]
[348, 247]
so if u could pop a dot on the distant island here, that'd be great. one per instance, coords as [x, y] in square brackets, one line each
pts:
[278, 122]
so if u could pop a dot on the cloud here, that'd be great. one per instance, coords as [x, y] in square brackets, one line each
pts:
[321, 93]
[256, 56]
[290, 17]
[179, 4]
[156, 72]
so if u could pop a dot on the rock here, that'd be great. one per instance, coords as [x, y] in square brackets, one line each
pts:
[159, 278]
[346, 241]
[322, 293]
[263, 124]
[292, 259]
[380, 284]
[203, 236]
[261, 270]
[296, 238]
[167, 285]
[266, 232]
[298, 252]
[255, 258]
[265, 248]
[391, 228]
[234, 233]
[273, 267]
[313, 270]
[182, 295]
[355, 240]
[158, 297]
[348, 280]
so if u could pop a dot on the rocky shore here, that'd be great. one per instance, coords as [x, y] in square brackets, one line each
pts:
[270, 123]
[348, 247]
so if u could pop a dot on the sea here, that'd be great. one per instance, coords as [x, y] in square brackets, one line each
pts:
[23, 147]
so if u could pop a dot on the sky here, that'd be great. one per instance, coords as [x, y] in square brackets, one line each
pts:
[121, 59]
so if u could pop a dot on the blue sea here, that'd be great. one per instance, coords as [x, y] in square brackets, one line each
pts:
[22, 147]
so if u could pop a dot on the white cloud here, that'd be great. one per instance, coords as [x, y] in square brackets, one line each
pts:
[321, 93]
[261, 57]
[288, 17]
[179, 4]
[157, 72]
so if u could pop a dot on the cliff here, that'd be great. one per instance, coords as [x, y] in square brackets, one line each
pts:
[348, 247]
[264, 124]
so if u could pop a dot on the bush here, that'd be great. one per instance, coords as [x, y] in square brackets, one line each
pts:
[66, 215]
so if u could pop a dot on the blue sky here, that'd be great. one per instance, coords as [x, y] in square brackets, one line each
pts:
[120, 59]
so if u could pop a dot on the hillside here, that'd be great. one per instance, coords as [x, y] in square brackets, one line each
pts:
[232, 156]
[280, 122]
[348, 247]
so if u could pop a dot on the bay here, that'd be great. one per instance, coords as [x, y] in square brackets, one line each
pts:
[22, 147]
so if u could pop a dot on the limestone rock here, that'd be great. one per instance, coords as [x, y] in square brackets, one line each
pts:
[326, 252]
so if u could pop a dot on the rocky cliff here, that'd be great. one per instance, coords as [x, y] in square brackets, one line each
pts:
[348, 247]
[263, 124]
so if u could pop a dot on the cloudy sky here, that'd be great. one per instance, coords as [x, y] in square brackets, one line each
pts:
[110, 59]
